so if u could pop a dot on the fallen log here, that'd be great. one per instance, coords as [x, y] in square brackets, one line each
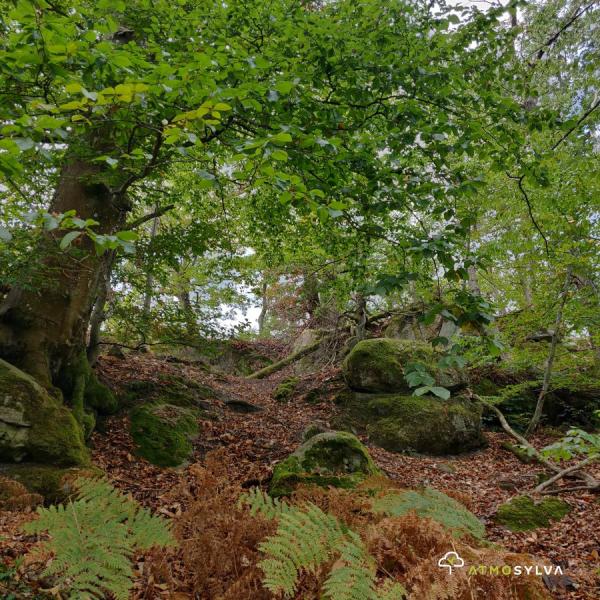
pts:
[288, 360]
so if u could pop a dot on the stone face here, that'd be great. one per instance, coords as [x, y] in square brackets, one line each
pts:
[523, 514]
[34, 425]
[420, 424]
[332, 458]
[377, 365]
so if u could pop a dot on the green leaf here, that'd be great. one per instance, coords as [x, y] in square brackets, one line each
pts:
[127, 235]
[67, 239]
[441, 392]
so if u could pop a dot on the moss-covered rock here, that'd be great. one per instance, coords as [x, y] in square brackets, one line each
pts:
[314, 428]
[377, 365]
[285, 390]
[421, 424]
[163, 433]
[169, 389]
[34, 425]
[523, 514]
[100, 397]
[333, 458]
[55, 484]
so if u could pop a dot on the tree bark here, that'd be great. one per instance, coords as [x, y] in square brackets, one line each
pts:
[43, 331]
[99, 313]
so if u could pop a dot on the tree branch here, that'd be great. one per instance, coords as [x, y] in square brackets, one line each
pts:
[157, 213]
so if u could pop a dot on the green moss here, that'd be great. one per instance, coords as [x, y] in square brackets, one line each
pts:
[377, 365]
[99, 397]
[170, 389]
[55, 484]
[327, 459]
[285, 390]
[35, 425]
[486, 387]
[163, 433]
[88, 422]
[519, 452]
[523, 514]
[421, 424]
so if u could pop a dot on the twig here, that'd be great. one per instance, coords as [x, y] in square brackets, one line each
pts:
[567, 471]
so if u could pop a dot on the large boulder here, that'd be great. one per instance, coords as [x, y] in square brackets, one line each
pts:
[163, 433]
[34, 425]
[419, 424]
[378, 365]
[333, 458]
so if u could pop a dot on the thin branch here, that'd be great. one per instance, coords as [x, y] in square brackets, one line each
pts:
[157, 213]
[584, 463]
[519, 181]
[585, 115]
[539, 54]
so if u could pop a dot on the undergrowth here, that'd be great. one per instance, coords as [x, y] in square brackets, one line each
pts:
[332, 543]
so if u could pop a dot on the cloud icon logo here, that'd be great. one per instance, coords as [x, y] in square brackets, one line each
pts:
[450, 561]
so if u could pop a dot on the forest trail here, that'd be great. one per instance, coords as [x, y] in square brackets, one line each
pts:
[260, 439]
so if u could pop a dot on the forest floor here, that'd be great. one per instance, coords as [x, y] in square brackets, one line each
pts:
[259, 440]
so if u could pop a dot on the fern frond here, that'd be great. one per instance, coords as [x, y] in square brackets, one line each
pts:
[261, 503]
[432, 504]
[354, 576]
[392, 590]
[94, 539]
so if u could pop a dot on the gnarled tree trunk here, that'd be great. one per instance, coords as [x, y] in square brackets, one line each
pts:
[42, 331]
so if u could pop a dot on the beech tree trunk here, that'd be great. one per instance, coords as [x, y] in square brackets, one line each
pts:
[43, 331]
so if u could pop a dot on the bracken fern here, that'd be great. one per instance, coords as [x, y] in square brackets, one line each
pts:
[430, 503]
[93, 539]
[306, 538]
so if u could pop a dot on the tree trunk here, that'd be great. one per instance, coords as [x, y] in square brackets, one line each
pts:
[149, 284]
[537, 415]
[43, 331]
[99, 313]
[263, 309]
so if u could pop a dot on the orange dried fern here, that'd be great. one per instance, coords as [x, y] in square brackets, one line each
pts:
[14, 496]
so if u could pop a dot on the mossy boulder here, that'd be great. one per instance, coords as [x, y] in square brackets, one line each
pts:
[169, 389]
[34, 425]
[523, 513]
[55, 484]
[100, 397]
[419, 424]
[163, 433]
[378, 365]
[285, 390]
[334, 458]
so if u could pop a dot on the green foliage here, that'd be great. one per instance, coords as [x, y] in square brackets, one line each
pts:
[305, 539]
[432, 504]
[263, 504]
[577, 442]
[94, 537]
